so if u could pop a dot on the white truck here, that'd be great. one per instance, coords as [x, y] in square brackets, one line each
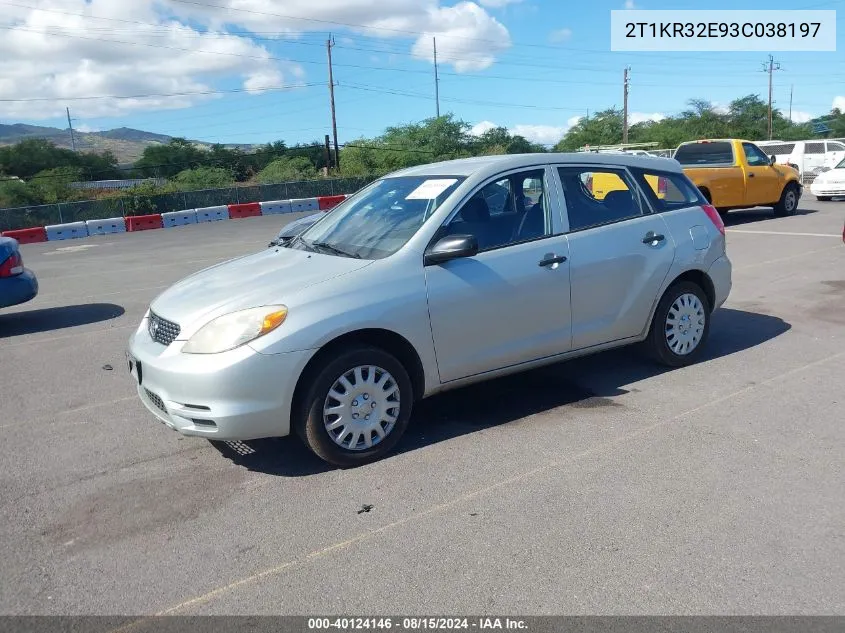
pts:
[808, 157]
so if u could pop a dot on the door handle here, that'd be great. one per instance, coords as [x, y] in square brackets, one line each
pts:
[651, 237]
[554, 259]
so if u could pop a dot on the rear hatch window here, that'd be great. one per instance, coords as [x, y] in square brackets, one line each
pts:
[719, 153]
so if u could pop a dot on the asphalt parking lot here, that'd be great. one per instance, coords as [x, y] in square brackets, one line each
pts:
[600, 486]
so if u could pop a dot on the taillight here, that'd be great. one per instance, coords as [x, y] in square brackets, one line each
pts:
[714, 216]
[661, 185]
[12, 266]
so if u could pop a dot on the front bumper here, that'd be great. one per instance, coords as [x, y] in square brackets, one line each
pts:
[237, 395]
[18, 289]
[720, 274]
[827, 189]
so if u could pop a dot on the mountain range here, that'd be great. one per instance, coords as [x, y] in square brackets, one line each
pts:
[126, 143]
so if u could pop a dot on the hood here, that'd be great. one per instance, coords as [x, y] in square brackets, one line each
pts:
[831, 175]
[265, 278]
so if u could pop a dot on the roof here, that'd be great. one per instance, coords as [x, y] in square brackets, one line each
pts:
[490, 165]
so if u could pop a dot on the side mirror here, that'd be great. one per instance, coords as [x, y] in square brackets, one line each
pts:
[451, 247]
[772, 160]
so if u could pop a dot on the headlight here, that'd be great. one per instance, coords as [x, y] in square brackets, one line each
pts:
[233, 330]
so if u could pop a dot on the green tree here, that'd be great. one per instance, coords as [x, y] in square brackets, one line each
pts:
[53, 185]
[287, 169]
[603, 128]
[168, 160]
[203, 178]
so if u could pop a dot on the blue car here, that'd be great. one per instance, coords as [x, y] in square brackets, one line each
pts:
[17, 284]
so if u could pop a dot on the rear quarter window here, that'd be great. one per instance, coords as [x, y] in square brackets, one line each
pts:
[693, 154]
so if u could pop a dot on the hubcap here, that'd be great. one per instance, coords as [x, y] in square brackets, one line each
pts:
[361, 408]
[685, 324]
[790, 200]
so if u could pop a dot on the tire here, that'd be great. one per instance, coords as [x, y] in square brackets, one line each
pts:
[658, 341]
[355, 364]
[788, 204]
[824, 198]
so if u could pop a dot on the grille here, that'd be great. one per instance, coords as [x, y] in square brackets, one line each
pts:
[158, 402]
[161, 330]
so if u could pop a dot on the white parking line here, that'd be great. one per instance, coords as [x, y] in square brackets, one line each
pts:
[839, 235]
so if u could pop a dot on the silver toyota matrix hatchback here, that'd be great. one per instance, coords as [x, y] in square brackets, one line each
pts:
[432, 278]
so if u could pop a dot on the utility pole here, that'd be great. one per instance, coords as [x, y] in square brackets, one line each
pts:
[791, 88]
[770, 67]
[329, 44]
[70, 125]
[625, 105]
[328, 155]
[436, 79]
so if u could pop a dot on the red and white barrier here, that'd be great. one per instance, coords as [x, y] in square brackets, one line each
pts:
[133, 223]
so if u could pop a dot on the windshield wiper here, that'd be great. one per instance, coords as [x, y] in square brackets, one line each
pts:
[335, 250]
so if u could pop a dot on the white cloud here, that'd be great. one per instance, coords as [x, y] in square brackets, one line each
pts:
[161, 47]
[480, 128]
[560, 35]
[720, 108]
[543, 134]
[642, 117]
[629, 4]
[839, 103]
[468, 38]
[799, 116]
[56, 57]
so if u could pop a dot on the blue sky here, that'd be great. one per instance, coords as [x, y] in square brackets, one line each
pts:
[533, 66]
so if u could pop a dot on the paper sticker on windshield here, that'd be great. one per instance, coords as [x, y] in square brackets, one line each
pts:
[430, 189]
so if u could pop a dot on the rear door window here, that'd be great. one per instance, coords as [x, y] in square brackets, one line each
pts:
[598, 195]
[716, 153]
[667, 191]
[815, 148]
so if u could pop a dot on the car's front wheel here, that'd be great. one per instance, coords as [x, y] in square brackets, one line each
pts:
[788, 204]
[680, 326]
[356, 408]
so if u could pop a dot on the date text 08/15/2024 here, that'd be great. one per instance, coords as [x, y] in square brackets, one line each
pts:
[415, 623]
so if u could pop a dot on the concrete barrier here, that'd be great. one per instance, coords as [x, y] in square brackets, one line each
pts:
[143, 222]
[304, 204]
[27, 236]
[275, 207]
[106, 227]
[67, 231]
[179, 218]
[212, 214]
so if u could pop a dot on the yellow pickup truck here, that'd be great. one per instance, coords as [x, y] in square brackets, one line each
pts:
[736, 174]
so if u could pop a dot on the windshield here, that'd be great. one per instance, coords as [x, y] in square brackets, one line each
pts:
[381, 219]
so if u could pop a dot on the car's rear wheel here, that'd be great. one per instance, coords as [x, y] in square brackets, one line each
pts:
[788, 204]
[356, 408]
[680, 326]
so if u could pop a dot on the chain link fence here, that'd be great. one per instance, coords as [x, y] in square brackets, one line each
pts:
[45, 215]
